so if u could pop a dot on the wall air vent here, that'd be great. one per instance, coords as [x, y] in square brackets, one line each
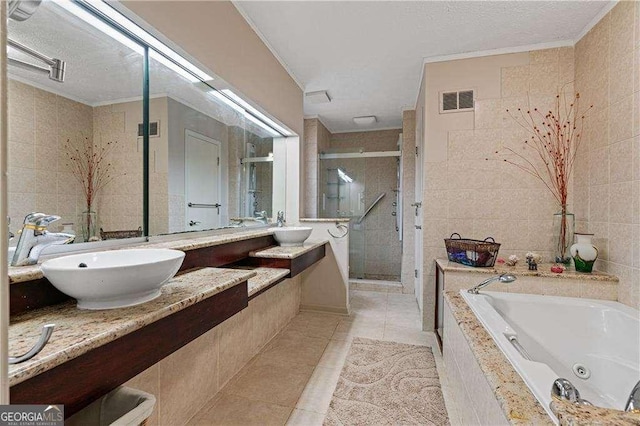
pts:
[154, 129]
[457, 101]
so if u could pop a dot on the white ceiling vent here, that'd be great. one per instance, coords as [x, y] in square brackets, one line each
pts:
[318, 97]
[457, 101]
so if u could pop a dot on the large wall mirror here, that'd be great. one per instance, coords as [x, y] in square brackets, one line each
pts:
[210, 163]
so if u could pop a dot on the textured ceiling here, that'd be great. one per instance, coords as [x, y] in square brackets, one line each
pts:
[99, 69]
[369, 55]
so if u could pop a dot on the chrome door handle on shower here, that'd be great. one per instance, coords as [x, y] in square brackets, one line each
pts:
[47, 331]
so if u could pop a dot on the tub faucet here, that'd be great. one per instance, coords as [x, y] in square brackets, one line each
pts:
[633, 403]
[564, 389]
[504, 278]
[34, 237]
[280, 219]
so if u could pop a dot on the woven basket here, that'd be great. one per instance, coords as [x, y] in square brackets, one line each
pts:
[477, 253]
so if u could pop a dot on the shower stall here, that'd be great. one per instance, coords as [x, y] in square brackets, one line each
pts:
[365, 187]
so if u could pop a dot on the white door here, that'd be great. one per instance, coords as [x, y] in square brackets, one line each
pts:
[202, 182]
[417, 205]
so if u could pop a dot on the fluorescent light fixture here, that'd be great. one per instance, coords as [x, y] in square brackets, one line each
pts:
[318, 97]
[154, 43]
[257, 113]
[345, 177]
[242, 111]
[227, 101]
[365, 120]
[97, 23]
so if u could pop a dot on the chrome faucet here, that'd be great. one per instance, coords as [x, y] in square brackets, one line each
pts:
[564, 389]
[261, 217]
[280, 219]
[34, 237]
[633, 403]
[504, 278]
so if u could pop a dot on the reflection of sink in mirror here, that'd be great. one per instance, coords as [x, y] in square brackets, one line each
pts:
[208, 162]
[113, 279]
[292, 236]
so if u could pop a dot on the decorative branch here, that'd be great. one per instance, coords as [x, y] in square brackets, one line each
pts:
[555, 137]
[88, 163]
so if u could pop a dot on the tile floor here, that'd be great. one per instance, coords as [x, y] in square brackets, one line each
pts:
[292, 379]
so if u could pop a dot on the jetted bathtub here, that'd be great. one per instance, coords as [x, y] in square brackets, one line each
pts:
[593, 343]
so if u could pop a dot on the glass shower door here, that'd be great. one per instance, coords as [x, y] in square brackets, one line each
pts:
[342, 194]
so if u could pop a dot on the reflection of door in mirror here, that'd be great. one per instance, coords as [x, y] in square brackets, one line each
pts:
[202, 181]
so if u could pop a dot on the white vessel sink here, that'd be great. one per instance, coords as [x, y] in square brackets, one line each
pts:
[291, 236]
[113, 279]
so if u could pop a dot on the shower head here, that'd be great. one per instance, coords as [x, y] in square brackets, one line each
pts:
[21, 10]
[504, 278]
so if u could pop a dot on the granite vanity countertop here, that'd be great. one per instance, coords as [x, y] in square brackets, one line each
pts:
[264, 278]
[33, 272]
[521, 269]
[325, 219]
[517, 402]
[78, 331]
[278, 252]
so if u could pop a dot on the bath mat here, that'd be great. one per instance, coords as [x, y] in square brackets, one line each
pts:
[387, 383]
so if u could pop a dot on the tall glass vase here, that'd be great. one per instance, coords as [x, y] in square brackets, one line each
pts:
[563, 228]
[89, 225]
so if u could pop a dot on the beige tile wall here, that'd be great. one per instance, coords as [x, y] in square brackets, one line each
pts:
[463, 191]
[607, 179]
[316, 140]
[120, 205]
[408, 197]
[40, 123]
[186, 380]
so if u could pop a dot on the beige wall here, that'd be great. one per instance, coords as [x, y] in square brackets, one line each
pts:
[607, 179]
[217, 35]
[316, 140]
[120, 206]
[40, 123]
[465, 193]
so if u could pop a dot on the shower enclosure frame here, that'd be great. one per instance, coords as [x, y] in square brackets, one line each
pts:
[397, 191]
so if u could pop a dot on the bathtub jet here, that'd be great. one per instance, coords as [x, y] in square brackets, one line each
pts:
[504, 278]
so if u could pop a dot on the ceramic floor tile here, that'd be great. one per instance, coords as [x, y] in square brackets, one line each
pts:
[403, 319]
[231, 410]
[347, 330]
[275, 384]
[409, 335]
[313, 324]
[334, 354]
[305, 418]
[319, 390]
[291, 348]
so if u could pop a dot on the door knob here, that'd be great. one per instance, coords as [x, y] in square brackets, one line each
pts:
[193, 223]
